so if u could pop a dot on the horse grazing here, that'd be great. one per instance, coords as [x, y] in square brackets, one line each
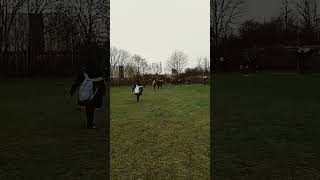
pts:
[158, 83]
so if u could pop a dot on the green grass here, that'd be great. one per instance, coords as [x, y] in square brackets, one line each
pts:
[42, 136]
[266, 126]
[165, 136]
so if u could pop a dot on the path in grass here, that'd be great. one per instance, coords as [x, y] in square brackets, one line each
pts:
[266, 126]
[166, 136]
[42, 136]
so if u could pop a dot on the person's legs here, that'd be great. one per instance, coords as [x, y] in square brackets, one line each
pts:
[90, 116]
[93, 117]
[137, 97]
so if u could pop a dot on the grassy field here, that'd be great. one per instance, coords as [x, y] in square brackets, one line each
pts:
[165, 136]
[42, 136]
[266, 126]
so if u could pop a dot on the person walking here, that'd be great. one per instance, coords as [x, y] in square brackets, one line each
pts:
[137, 89]
[92, 88]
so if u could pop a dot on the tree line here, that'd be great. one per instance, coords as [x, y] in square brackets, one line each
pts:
[297, 24]
[135, 65]
[65, 23]
[41, 33]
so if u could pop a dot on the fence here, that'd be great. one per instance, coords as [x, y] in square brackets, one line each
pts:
[127, 82]
[272, 59]
[20, 63]
[148, 81]
[286, 59]
[122, 82]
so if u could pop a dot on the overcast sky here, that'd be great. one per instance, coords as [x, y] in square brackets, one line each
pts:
[155, 28]
[260, 9]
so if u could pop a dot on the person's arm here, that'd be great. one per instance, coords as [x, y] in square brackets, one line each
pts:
[102, 85]
[133, 88]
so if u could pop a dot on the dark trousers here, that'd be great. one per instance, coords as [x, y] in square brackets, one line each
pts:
[90, 116]
[138, 99]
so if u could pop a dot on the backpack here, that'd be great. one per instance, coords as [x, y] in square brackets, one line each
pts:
[86, 93]
[137, 89]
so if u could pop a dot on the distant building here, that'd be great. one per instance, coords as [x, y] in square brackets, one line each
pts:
[38, 32]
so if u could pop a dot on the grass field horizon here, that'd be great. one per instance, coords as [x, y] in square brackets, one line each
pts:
[165, 136]
[266, 126]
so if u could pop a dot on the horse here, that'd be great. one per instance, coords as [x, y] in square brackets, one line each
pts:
[158, 83]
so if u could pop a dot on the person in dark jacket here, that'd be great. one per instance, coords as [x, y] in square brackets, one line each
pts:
[138, 94]
[97, 101]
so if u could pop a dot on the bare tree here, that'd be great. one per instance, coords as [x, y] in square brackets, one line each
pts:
[204, 64]
[133, 65]
[156, 68]
[123, 57]
[129, 70]
[224, 14]
[148, 69]
[137, 59]
[49, 9]
[307, 11]
[91, 16]
[113, 61]
[288, 16]
[8, 12]
[143, 66]
[39, 6]
[178, 60]
[285, 13]
[18, 35]
[118, 57]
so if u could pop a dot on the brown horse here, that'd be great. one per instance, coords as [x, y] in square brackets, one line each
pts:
[158, 83]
